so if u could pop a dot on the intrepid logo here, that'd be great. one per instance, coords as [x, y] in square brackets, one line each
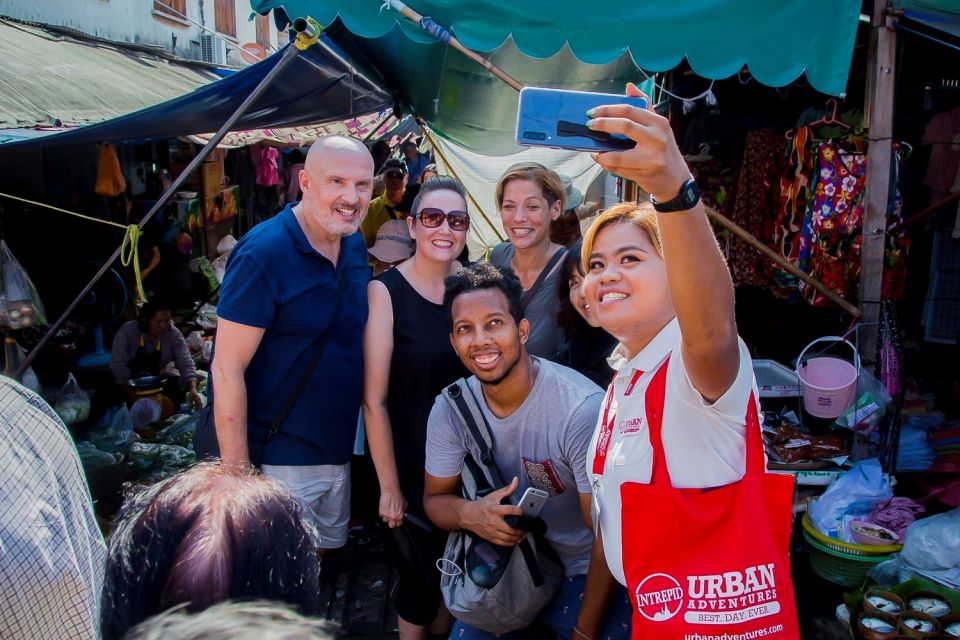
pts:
[659, 597]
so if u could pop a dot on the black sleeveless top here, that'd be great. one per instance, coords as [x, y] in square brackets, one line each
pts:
[423, 363]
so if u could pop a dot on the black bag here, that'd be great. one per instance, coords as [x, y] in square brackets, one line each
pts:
[205, 443]
[493, 591]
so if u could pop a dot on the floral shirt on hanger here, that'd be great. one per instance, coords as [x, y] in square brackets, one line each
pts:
[831, 239]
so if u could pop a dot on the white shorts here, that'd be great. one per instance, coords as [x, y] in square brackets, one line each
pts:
[325, 489]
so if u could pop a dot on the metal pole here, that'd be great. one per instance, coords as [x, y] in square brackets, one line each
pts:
[287, 57]
[443, 35]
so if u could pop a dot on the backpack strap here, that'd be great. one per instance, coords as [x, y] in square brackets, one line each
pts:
[465, 405]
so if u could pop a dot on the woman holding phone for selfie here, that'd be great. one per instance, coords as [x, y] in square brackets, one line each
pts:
[681, 415]
[408, 360]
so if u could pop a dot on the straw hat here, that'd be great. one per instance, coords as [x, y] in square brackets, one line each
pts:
[393, 242]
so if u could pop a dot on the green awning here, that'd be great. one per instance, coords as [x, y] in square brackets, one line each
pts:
[777, 39]
[459, 98]
[567, 44]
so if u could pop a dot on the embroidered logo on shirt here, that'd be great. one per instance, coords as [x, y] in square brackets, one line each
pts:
[630, 427]
[543, 476]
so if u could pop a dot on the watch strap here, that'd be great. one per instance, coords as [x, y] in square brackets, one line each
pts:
[687, 198]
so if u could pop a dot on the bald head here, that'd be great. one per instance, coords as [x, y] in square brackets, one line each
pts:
[330, 148]
[337, 180]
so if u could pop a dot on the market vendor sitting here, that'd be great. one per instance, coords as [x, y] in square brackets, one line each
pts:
[152, 346]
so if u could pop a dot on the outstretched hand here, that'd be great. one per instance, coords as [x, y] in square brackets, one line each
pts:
[485, 517]
[655, 163]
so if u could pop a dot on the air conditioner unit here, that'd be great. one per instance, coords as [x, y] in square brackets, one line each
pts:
[213, 49]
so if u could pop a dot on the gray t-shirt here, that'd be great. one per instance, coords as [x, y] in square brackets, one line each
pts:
[543, 443]
[546, 335]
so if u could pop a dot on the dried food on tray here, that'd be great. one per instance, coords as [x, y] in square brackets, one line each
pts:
[790, 443]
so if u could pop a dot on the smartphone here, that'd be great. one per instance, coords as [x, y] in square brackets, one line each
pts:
[558, 118]
[532, 501]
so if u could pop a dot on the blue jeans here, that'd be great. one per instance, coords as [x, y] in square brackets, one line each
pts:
[561, 615]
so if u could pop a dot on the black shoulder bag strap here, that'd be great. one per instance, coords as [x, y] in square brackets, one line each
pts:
[529, 293]
[298, 388]
[469, 411]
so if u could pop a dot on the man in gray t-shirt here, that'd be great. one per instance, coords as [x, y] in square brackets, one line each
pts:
[541, 416]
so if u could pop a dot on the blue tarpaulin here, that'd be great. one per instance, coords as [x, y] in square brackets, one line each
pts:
[321, 85]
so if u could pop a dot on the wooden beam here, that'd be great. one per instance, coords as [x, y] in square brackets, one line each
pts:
[878, 118]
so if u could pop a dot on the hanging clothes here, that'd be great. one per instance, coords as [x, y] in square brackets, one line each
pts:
[757, 198]
[794, 193]
[897, 247]
[831, 240]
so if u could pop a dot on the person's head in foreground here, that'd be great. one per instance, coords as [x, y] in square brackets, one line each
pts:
[626, 277]
[488, 330]
[233, 621]
[203, 537]
[529, 197]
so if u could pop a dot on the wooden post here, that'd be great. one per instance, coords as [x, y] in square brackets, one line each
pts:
[878, 117]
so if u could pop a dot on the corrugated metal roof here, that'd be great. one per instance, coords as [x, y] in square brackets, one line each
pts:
[47, 76]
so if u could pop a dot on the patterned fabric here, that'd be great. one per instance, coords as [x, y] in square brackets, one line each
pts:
[52, 556]
[830, 245]
[794, 192]
[756, 198]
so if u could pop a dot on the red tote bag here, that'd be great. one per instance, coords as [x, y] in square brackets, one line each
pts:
[701, 563]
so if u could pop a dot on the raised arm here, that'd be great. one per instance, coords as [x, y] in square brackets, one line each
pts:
[697, 275]
[236, 345]
[377, 353]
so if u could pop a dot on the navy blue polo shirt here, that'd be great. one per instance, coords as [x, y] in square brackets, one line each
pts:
[276, 281]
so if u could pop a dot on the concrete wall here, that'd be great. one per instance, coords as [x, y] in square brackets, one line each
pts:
[137, 21]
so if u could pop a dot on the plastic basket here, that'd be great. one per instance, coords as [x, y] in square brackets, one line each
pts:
[840, 568]
[846, 548]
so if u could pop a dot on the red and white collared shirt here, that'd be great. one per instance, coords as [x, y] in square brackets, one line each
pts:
[704, 443]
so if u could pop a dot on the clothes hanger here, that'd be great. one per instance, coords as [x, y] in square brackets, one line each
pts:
[832, 120]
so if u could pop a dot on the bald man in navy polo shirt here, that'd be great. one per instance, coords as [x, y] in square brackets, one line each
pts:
[277, 299]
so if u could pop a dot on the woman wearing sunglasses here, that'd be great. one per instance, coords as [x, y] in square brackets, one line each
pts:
[407, 362]
[530, 197]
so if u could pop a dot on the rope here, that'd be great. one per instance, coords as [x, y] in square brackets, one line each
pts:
[128, 249]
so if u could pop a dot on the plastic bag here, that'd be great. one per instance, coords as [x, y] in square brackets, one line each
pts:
[871, 405]
[110, 181]
[207, 316]
[851, 496]
[20, 304]
[933, 543]
[72, 403]
[93, 458]
[114, 430]
[15, 353]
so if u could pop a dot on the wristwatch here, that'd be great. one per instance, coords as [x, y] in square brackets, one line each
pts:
[687, 198]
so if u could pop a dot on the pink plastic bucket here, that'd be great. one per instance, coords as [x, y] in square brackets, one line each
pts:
[828, 383]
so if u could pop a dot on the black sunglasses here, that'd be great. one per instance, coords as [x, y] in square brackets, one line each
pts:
[433, 218]
[394, 175]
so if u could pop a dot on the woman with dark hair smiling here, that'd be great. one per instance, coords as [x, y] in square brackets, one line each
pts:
[588, 346]
[408, 360]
